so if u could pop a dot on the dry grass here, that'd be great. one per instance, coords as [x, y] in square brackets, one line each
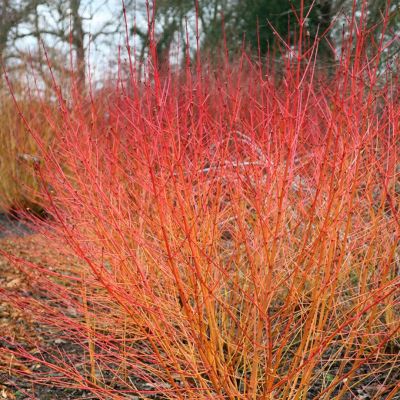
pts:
[19, 152]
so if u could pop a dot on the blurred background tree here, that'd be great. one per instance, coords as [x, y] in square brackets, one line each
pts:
[12, 15]
[70, 27]
[253, 22]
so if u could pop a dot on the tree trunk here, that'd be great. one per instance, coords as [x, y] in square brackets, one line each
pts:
[325, 53]
[78, 37]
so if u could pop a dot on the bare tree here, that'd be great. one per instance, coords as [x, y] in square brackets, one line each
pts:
[12, 14]
[69, 30]
[62, 27]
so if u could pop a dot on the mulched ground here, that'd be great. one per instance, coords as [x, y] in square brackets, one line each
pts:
[17, 238]
[14, 325]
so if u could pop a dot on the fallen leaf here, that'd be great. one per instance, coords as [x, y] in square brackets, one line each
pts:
[13, 283]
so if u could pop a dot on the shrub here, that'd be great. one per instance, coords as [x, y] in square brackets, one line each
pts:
[235, 233]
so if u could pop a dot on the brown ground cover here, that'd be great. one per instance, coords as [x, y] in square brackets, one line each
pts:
[18, 328]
